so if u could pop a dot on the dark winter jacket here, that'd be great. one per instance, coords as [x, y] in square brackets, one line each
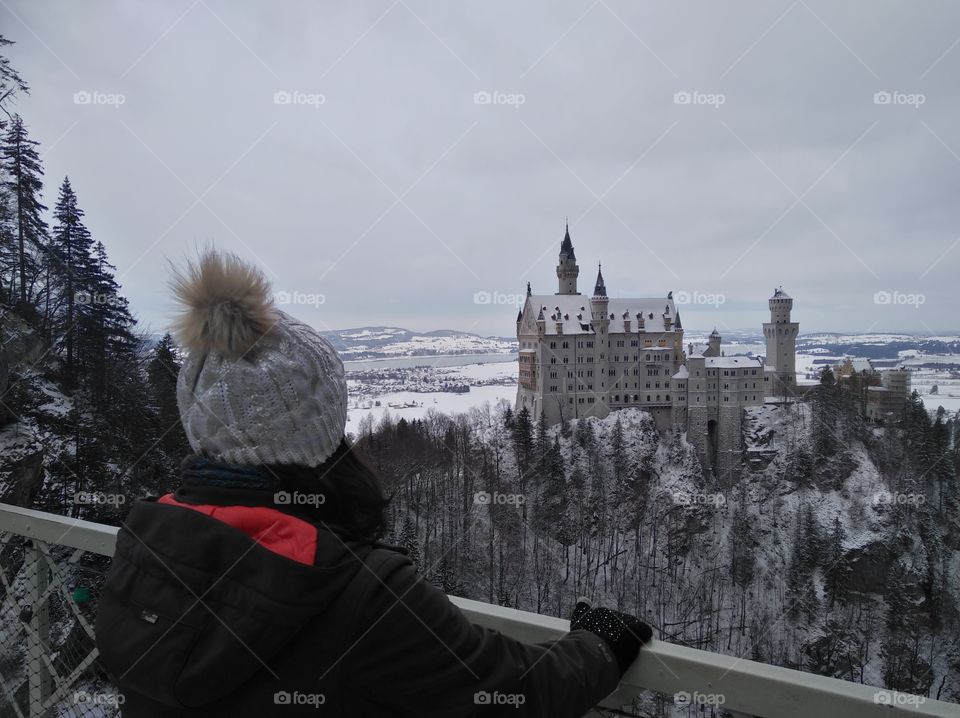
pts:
[214, 609]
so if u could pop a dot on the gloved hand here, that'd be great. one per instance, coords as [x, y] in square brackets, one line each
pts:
[621, 631]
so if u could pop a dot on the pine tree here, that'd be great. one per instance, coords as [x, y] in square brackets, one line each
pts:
[71, 247]
[23, 181]
[407, 538]
[107, 326]
[836, 571]
[11, 84]
[162, 374]
[523, 440]
[826, 410]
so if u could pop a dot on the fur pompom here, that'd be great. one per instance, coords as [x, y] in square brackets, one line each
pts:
[226, 304]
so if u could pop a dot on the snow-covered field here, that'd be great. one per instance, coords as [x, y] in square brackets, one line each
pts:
[446, 402]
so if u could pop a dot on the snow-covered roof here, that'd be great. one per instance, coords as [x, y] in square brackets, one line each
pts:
[733, 362]
[573, 310]
[682, 373]
[780, 294]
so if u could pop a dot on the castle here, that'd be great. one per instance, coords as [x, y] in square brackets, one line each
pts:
[581, 356]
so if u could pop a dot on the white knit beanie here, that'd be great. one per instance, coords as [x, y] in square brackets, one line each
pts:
[257, 386]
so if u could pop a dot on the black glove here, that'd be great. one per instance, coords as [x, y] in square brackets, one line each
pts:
[621, 631]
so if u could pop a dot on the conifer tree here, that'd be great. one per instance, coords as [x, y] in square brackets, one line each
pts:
[162, 374]
[23, 181]
[836, 569]
[11, 84]
[826, 409]
[71, 247]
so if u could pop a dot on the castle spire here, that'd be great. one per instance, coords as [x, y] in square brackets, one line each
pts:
[528, 289]
[566, 247]
[600, 290]
[567, 269]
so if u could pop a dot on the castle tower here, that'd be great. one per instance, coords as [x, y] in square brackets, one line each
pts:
[600, 318]
[567, 269]
[713, 344]
[781, 337]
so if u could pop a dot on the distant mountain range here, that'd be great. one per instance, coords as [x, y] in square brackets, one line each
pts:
[381, 342]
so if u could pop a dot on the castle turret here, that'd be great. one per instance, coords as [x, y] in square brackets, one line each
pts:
[781, 337]
[599, 302]
[567, 269]
[713, 344]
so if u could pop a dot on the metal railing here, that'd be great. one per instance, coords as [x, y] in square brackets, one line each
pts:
[747, 686]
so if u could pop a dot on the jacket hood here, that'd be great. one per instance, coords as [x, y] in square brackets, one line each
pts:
[193, 607]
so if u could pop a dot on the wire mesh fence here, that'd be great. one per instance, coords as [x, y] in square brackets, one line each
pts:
[48, 655]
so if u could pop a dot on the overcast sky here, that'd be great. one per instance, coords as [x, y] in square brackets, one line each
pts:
[382, 184]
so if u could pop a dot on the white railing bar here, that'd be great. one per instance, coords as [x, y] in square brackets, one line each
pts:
[747, 686]
[63, 530]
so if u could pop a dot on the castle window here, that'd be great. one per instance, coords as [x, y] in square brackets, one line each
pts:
[553, 345]
[648, 385]
[668, 397]
[648, 397]
[565, 345]
[726, 398]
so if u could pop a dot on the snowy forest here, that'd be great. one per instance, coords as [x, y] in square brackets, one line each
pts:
[837, 554]
[837, 551]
